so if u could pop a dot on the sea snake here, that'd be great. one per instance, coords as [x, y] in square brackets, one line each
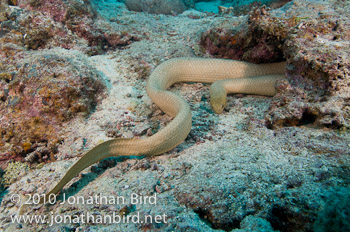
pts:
[229, 76]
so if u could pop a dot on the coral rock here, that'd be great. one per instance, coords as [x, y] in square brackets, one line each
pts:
[39, 93]
[318, 63]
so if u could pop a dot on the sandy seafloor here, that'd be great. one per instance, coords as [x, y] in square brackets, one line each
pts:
[231, 173]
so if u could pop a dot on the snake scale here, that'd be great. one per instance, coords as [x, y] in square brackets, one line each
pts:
[229, 76]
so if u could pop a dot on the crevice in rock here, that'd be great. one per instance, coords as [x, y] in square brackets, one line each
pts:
[308, 118]
[208, 219]
[284, 219]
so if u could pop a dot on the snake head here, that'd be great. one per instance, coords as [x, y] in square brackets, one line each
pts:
[217, 97]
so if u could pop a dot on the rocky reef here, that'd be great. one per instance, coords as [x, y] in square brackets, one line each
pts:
[316, 50]
[40, 87]
[39, 92]
[73, 74]
[76, 17]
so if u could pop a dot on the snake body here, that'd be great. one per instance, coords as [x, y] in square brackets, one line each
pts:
[233, 77]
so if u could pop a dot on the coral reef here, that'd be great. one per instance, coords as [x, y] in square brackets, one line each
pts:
[39, 92]
[232, 173]
[318, 89]
[35, 30]
[79, 19]
[157, 6]
[256, 42]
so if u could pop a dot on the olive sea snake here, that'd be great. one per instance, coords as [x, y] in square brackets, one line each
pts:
[229, 76]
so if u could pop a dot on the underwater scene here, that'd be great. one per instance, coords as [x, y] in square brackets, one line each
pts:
[174, 115]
